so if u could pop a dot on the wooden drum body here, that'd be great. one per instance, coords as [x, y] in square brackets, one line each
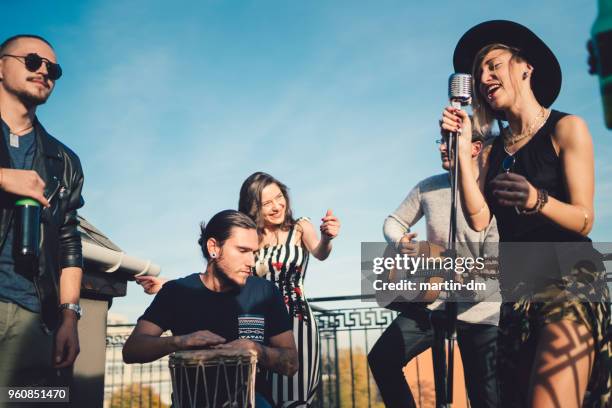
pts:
[213, 378]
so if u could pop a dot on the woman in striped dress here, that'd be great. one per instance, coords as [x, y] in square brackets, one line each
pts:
[284, 248]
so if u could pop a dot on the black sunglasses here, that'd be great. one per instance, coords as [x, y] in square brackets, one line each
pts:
[33, 61]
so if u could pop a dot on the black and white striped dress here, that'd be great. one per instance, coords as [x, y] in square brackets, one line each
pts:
[285, 265]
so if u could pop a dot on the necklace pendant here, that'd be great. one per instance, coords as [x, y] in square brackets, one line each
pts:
[14, 140]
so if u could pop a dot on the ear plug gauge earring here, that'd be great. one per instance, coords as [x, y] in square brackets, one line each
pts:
[525, 75]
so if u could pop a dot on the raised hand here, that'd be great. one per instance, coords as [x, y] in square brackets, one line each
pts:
[330, 225]
[458, 121]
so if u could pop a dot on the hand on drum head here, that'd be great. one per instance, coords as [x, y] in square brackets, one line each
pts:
[199, 339]
[242, 344]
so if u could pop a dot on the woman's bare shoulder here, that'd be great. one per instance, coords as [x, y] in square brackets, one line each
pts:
[571, 131]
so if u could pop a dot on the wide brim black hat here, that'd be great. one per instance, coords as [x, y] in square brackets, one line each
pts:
[546, 77]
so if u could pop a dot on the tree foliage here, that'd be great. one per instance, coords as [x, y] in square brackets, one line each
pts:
[136, 395]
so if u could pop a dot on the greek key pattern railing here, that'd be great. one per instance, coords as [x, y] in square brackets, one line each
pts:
[354, 319]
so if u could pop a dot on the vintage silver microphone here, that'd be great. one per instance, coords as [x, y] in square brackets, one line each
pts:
[460, 90]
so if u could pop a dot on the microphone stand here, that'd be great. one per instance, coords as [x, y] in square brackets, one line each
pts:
[445, 323]
[451, 304]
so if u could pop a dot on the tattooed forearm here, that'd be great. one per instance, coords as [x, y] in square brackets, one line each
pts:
[278, 359]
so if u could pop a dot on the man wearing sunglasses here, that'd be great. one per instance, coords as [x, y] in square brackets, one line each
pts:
[412, 331]
[39, 300]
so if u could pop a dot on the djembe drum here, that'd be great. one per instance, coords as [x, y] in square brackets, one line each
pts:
[213, 378]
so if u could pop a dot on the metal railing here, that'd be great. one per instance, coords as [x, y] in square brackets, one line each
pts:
[133, 385]
[347, 336]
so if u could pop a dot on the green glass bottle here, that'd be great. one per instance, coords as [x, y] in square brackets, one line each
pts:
[28, 228]
[601, 37]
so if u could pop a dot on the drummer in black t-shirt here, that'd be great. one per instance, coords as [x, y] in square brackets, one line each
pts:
[225, 307]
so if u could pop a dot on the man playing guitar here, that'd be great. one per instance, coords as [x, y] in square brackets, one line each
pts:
[412, 332]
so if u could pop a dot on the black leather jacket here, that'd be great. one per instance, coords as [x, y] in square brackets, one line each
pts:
[60, 245]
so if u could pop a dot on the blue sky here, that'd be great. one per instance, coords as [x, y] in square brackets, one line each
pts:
[171, 105]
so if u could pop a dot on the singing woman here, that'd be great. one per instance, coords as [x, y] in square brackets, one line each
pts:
[539, 184]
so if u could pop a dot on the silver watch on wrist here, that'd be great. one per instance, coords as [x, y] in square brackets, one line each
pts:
[74, 307]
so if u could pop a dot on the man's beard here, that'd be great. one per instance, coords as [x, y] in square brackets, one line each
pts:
[225, 280]
[28, 99]
[31, 101]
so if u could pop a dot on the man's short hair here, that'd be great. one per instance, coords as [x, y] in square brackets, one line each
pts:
[6, 43]
[478, 137]
[220, 226]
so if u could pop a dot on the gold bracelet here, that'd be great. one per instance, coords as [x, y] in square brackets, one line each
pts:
[479, 211]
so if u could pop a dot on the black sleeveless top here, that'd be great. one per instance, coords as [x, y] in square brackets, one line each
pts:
[540, 164]
[534, 251]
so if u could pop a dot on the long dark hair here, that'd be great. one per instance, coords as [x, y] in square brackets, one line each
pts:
[250, 200]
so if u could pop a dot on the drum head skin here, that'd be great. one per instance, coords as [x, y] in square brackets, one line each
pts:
[212, 356]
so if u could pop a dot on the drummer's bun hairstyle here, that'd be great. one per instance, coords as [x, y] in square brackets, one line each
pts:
[220, 227]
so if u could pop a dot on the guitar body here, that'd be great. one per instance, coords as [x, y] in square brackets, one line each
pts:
[400, 300]
[407, 296]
